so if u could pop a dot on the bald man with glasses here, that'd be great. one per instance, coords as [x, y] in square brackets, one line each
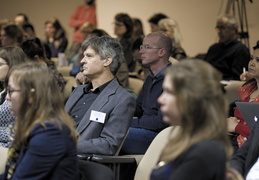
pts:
[147, 122]
[228, 55]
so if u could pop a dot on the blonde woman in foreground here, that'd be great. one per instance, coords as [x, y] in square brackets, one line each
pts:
[44, 145]
[193, 98]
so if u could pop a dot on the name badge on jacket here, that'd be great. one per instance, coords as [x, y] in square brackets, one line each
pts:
[97, 116]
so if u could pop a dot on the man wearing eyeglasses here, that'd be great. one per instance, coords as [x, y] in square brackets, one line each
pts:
[229, 55]
[147, 122]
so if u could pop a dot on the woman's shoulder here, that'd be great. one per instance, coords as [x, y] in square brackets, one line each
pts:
[205, 149]
[44, 127]
[211, 145]
[49, 133]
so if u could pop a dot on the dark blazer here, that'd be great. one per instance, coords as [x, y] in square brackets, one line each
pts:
[104, 138]
[205, 160]
[248, 153]
[50, 153]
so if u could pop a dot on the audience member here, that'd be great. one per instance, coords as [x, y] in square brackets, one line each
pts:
[171, 28]
[9, 57]
[137, 29]
[147, 123]
[28, 30]
[55, 37]
[21, 18]
[248, 93]
[141, 71]
[77, 64]
[102, 105]
[11, 35]
[245, 161]
[98, 33]
[123, 29]
[121, 75]
[3, 23]
[73, 52]
[229, 55]
[193, 98]
[35, 51]
[153, 21]
[44, 145]
[83, 13]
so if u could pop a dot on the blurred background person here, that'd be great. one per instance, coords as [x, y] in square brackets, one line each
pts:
[248, 93]
[35, 51]
[74, 50]
[229, 55]
[28, 30]
[3, 23]
[55, 37]
[171, 28]
[11, 35]
[83, 13]
[193, 99]
[98, 33]
[123, 29]
[44, 145]
[141, 71]
[9, 56]
[137, 29]
[153, 21]
[21, 18]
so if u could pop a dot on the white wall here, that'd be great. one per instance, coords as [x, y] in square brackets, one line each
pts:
[197, 18]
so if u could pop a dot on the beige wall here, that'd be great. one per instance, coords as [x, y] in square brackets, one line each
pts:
[196, 17]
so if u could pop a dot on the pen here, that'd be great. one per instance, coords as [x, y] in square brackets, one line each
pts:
[244, 76]
[244, 69]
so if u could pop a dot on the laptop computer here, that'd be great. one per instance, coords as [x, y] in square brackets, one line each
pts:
[250, 112]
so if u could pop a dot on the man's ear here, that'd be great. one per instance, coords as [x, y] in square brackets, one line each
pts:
[161, 52]
[107, 61]
[30, 98]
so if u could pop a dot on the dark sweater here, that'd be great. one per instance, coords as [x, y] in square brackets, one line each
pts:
[229, 59]
[147, 109]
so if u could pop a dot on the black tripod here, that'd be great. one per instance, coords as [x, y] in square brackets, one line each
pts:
[240, 5]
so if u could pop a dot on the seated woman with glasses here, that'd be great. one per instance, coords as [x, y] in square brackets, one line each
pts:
[44, 145]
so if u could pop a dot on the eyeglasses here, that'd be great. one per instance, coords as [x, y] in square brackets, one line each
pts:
[118, 24]
[10, 91]
[148, 47]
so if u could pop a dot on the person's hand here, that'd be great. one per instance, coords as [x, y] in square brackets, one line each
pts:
[80, 79]
[57, 43]
[244, 76]
[232, 123]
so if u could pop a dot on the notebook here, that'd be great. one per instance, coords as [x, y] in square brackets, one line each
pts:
[250, 112]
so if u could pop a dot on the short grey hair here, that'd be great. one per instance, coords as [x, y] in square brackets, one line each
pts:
[232, 21]
[106, 46]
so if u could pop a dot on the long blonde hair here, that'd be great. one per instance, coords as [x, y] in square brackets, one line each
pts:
[202, 105]
[37, 83]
